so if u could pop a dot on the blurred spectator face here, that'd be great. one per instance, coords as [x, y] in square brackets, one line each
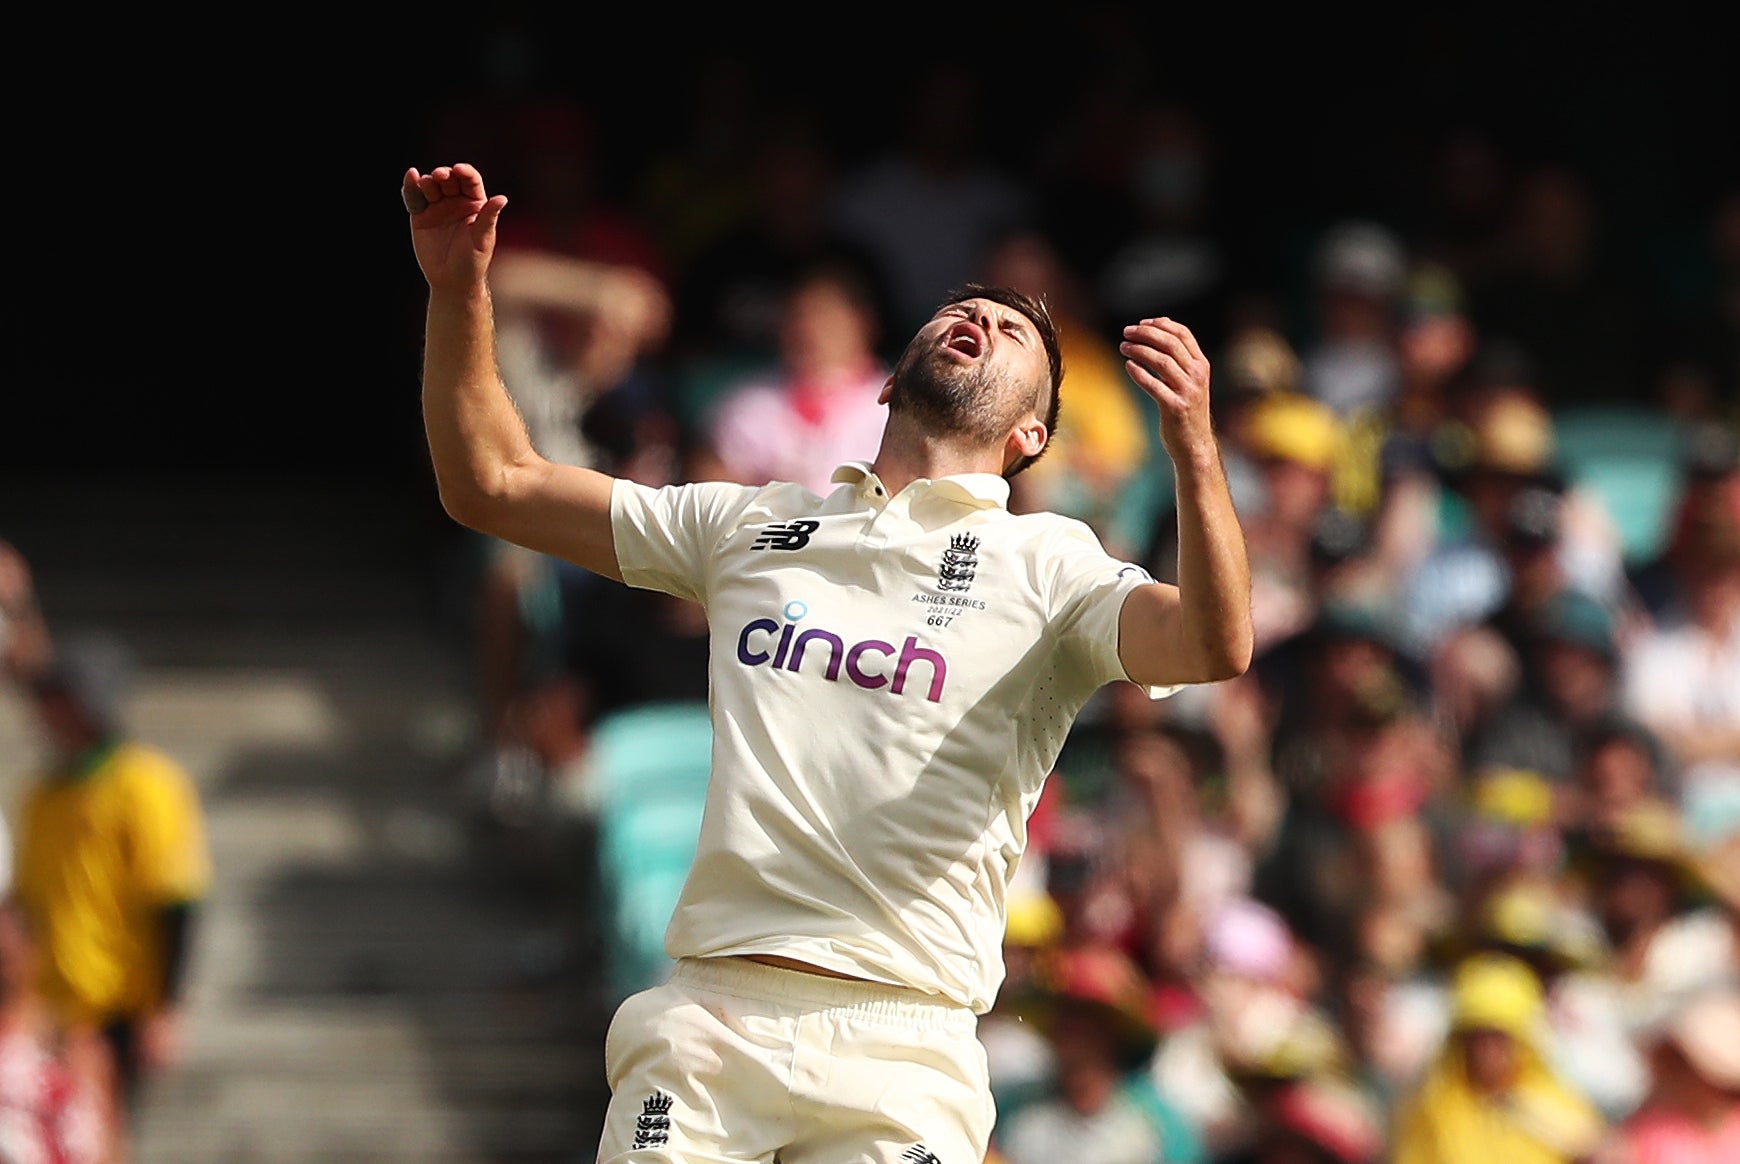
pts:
[1579, 680]
[1434, 347]
[1712, 571]
[1361, 268]
[1616, 774]
[1695, 1060]
[1295, 440]
[1352, 314]
[1492, 1060]
[1169, 175]
[1349, 667]
[1532, 525]
[68, 729]
[1082, 1039]
[1555, 220]
[1026, 262]
[1469, 178]
[1514, 442]
[1634, 894]
[825, 327]
[1473, 672]
[1297, 492]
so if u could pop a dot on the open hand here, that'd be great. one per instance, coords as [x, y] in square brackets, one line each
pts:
[1166, 362]
[452, 224]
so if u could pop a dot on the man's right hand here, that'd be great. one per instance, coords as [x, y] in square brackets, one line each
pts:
[452, 224]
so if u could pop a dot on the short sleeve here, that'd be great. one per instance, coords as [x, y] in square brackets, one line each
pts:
[665, 537]
[1088, 589]
[170, 862]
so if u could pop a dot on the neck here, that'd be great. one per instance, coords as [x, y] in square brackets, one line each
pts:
[909, 453]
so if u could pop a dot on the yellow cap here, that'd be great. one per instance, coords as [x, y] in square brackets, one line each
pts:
[1514, 796]
[1034, 920]
[1296, 428]
[1497, 992]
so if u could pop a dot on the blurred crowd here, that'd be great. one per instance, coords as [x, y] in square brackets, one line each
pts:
[103, 864]
[1453, 874]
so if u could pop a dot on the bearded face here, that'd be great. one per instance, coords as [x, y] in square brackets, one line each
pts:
[951, 398]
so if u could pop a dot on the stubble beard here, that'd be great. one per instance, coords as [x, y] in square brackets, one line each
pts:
[947, 398]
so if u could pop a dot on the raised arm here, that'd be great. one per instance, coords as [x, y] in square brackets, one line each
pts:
[1199, 631]
[489, 476]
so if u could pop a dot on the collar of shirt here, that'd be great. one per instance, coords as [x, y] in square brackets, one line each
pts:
[979, 490]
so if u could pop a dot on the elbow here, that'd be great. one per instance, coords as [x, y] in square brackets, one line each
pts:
[1231, 661]
[462, 505]
[1228, 655]
[474, 502]
[1239, 650]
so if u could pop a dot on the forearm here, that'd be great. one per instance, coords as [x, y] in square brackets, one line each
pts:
[1214, 576]
[537, 280]
[477, 438]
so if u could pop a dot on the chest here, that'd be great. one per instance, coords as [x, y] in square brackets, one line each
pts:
[881, 604]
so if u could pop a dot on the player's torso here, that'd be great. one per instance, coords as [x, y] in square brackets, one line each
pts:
[877, 618]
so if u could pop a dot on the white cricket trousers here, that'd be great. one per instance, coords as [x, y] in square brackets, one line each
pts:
[735, 1061]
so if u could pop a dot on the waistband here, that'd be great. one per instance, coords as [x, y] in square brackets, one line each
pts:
[875, 1001]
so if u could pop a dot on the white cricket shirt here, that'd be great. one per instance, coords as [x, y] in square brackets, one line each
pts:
[891, 680]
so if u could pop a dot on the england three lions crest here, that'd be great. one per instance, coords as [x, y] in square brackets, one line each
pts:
[960, 562]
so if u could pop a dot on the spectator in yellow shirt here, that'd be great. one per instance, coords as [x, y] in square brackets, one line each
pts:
[1491, 1095]
[111, 862]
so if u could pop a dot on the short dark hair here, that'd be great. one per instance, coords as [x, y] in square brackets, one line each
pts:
[1035, 310]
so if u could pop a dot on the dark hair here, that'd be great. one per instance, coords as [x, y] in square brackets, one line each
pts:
[1035, 310]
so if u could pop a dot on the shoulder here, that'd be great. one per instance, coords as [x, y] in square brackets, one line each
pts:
[1045, 529]
[149, 769]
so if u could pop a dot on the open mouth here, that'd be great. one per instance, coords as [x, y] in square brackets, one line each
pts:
[967, 338]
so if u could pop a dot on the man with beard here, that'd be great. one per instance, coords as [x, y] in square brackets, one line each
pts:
[893, 670]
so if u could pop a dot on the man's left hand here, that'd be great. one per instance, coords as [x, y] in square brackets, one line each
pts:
[1166, 362]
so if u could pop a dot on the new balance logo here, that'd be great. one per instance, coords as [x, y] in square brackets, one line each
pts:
[652, 1128]
[919, 1154]
[786, 535]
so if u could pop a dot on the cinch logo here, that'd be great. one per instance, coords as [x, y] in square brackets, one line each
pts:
[866, 664]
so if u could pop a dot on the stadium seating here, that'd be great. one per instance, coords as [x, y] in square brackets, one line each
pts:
[649, 766]
[1630, 459]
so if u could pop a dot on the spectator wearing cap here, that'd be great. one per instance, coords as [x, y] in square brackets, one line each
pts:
[1361, 270]
[1709, 482]
[1692, 1114]
[1258, 1027]
[1682, 674]
[1282, 449]
[1669, 927]
[1258, 363]
[1529, 544]
[1294, 440]
[111, 864]
[1357, 760]
[1018, 1056]
[1572, 651]
[1505, 445]
[1490, 1094]
[1095, 1008]
[1585, 1036]
[1618, 765]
